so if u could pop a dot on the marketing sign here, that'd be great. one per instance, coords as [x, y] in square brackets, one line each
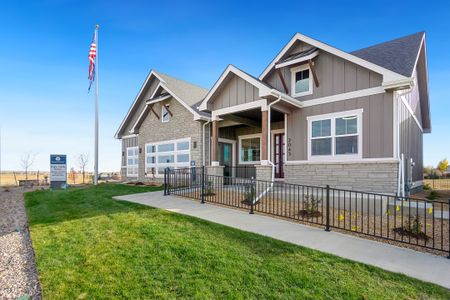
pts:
[58, 171]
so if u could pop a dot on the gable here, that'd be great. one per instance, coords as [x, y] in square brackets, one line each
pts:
[388, 75]
[335, 75]
[138, 105]
[233, 91]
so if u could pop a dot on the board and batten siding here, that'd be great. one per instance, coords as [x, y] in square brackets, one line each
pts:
[335, 75]
[377, 125]
[411, 136]
[235, 91]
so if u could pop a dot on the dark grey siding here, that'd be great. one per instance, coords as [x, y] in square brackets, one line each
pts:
[335, 75]
[234, 91]
[377, 125]
[411, 141]
[127, 142]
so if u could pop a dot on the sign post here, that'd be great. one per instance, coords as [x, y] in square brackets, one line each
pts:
[58, 171]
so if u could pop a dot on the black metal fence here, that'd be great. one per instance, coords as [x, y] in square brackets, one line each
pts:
[417, 222]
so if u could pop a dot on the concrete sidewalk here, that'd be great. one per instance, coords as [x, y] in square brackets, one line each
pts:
[419, 265]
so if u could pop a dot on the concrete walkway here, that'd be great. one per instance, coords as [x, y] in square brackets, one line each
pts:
[419, 265]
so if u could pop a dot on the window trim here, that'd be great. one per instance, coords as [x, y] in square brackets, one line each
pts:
[175, 153]
[295, 71]
[333, 116]
[163, 107]
[134, 165]
[244, 137]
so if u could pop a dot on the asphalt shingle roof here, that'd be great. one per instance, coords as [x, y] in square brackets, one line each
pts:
[398, 55]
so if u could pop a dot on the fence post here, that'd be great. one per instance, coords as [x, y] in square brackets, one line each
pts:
[168, 181]
[203, 185]
[252, 195]
[165, 181]
[448, 224]
[327, 226]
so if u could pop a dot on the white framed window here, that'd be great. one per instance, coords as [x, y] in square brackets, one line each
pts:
[132, 161]
[250, 149]
[336, 136]
[165, 115]
[301, 81]
[167, 154]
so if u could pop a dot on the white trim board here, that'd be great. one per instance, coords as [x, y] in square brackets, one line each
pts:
[298, 60]
[294, 71]
[411, 112]
[388, 75]
[238, 108]
[334, 162]
[249, 136]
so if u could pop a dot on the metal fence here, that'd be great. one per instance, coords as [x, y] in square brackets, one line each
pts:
[417, 222]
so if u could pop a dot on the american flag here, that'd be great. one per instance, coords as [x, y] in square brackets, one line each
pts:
[92, 55]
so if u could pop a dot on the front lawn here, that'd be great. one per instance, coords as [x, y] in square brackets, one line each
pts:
[90, 246]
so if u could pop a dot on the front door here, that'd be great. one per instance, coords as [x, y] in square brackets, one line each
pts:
[278, 154]
[226, 158]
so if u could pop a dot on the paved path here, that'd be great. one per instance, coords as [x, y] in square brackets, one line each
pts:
[419, 265]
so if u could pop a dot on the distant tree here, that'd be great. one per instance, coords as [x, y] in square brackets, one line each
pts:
[428, 171]
[83, 160]
[73, 175]
[27, 160]
[443, 165]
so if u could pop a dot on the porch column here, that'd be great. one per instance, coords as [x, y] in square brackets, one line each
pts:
[264, 131]
[215, 143]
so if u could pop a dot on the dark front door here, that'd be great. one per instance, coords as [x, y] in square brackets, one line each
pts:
[278, 154]
[226, 158]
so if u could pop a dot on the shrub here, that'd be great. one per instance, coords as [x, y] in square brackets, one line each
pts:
[433, 195]
[427, 187]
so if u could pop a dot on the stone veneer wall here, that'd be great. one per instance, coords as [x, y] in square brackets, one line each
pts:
[181, 125]
[366, 177]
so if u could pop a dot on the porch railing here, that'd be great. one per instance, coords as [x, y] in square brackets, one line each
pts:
[417, 222]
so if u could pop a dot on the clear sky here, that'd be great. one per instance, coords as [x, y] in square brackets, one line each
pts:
[44, 105]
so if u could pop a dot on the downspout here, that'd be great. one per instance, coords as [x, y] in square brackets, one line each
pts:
[203, 143]
[269, 147]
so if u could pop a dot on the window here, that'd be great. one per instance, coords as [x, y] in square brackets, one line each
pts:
[250, 149]
[301, 83]
[165, 115]
[336, 136]
[132, 161]
[167, 154]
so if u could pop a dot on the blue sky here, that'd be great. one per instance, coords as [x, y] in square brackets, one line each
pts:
[44, 105]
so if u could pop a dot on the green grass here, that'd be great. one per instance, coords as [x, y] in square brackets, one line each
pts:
[89, 246]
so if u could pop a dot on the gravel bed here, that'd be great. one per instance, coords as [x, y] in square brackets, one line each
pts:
[18, 273]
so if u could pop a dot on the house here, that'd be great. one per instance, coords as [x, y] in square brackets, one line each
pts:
[163, 128]
[316, 115]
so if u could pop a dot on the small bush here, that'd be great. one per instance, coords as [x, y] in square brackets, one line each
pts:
[250, 191]
[209, 191]
[311, 206]
[433, 195]
[427, 187]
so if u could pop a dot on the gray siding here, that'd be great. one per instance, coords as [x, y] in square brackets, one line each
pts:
[377, 123]
[335, 75]
[234, 91]
[411, 139]
[127, 142]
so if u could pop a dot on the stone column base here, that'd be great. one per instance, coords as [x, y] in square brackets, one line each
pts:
[214, 176]
[263, 172]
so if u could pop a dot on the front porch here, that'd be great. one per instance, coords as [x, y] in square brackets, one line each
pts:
[249, 142]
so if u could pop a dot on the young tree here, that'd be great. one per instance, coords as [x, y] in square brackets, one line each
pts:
[443, 165]
[83, 160]
[27, 160]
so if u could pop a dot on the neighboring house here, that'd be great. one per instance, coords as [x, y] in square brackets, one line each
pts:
[318, 114]
[163, 128]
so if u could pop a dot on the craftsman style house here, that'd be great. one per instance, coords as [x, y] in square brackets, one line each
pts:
[316, 115]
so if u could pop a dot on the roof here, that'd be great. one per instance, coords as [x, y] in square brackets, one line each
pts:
[187, 92]
[397, 55]
[296, 55]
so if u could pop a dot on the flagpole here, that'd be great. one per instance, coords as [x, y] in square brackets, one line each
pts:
[96, 110]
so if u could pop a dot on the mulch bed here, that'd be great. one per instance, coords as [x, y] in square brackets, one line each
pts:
[383, 228]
